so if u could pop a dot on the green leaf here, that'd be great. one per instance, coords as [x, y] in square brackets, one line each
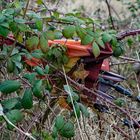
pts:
[91, 33]
[46, 136]
[27, 99]
[39, 2]
[37, 89]
[10, 103]
[4, 31]
[9, 86]
[46, 69]
[100, 43]
[9, 11]
[19, 104]
[54, 132]
[5, 25]
[114, 42]
[77, 108]
[37, 53]
[106, 37]
[23, 27]
[68, 31]
[39, 70]
[72, 19]
[95, 49]
[32, 14]
[81, 32]
[65, 59]
[2, 18]
[84, 110]
[13, 27]
[14, 51]
[74, 95]
[58, 35]
[43, 44]
[19, 20]
[16, 57]
[57, 53]
[14, 115]
[130, 41]
[56, 14]
[30, 76]
[50, 35]
[67, 130]
[18, 64]
[59, 122]
[119, 102]
[68, 89]
[10, 65]
[39, 24]
[117, 51]
[87, 39]
[32, 42]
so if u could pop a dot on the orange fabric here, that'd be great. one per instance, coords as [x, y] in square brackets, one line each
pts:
[74, 48]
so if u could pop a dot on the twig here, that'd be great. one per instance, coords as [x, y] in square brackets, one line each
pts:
[50, 11]
[84, 124]
[110, 15]
[120, 130]
[31, 124]
[69, 91]
[9, 122]
[117, 128]
[115, 12]
[25, 11]
[47, 111]
[121, 63]
[129, 59]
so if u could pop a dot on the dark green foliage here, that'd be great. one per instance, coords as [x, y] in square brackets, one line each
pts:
[27, 99]
[9, 86]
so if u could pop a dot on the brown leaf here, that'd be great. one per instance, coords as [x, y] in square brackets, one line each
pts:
[63, 104]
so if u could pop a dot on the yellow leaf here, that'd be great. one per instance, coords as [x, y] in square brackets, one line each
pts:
[71, 63]
[80, 74]
[20, 38]
[63, 104]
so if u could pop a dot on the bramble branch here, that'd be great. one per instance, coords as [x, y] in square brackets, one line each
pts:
[124, 34]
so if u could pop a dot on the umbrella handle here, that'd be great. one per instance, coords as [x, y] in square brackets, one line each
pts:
[122, 90]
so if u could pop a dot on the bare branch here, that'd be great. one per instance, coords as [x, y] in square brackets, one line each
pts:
[124, 34]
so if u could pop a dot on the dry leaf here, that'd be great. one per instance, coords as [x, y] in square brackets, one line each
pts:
[63, 104]
[71, 63]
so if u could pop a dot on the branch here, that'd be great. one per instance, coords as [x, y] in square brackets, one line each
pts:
[124, 34]
[110, 15]
[129, 59]
[74, 109]
[25, 11]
